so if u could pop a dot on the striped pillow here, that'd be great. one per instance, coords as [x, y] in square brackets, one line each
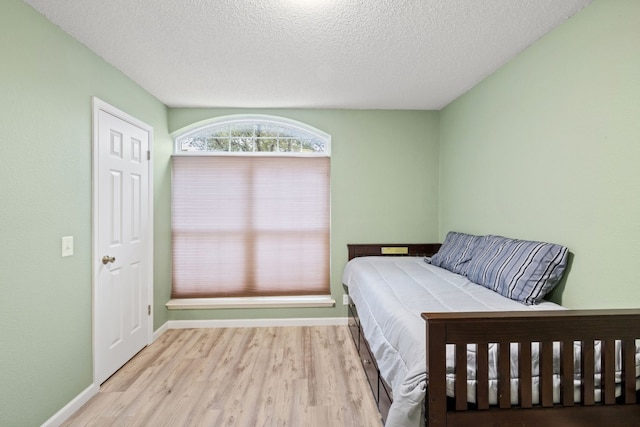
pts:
[455, 252]
[521, 270]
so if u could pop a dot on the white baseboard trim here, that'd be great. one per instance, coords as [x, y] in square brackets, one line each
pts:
[70, 408]
[158, 332]
[256, 323]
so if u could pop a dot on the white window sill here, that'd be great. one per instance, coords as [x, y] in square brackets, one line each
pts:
[251, 302]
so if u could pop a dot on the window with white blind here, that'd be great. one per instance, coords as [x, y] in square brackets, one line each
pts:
[250, 212]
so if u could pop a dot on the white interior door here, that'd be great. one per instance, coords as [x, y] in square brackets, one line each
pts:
[122, 251]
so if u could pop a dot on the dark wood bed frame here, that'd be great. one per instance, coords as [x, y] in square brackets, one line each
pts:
[523, 328]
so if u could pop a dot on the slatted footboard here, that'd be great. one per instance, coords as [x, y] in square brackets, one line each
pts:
[524, 328]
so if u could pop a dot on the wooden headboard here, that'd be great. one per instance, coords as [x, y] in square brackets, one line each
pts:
[392, 249]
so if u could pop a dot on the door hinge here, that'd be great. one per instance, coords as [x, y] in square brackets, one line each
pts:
[148, 154]
[149, 310]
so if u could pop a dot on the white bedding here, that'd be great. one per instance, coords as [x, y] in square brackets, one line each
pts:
[390, 294]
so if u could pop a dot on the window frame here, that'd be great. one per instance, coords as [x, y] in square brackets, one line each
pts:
[239, 119]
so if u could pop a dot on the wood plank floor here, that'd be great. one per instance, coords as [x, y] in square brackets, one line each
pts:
[280, 376]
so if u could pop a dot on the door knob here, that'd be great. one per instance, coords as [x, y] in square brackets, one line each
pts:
[107, 259]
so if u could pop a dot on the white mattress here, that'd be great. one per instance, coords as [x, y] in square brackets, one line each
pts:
[390, 294]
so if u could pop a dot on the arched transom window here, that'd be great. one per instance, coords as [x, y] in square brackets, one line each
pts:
[261, 135]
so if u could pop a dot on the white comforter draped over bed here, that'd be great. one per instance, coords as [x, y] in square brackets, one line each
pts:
[390, 294]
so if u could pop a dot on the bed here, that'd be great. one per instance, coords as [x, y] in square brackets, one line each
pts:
[484, 359]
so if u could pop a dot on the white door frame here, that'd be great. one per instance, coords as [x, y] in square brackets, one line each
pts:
[97, 106]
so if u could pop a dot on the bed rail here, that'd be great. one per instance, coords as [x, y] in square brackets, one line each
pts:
[524, 328]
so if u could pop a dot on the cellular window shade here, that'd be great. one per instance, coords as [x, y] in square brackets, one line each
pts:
[247, 226]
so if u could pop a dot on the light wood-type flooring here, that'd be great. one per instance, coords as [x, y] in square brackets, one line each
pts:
[245, 377]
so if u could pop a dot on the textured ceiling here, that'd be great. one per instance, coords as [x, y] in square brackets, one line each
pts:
[380, 54]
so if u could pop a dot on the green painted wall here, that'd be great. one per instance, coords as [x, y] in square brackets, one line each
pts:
[548, 148]
[384, 186]
[47, 80]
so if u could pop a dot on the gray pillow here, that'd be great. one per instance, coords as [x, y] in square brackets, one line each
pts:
[521, 270]
[455, 252]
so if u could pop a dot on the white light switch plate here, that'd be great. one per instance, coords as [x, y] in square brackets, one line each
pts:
[67, 246]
